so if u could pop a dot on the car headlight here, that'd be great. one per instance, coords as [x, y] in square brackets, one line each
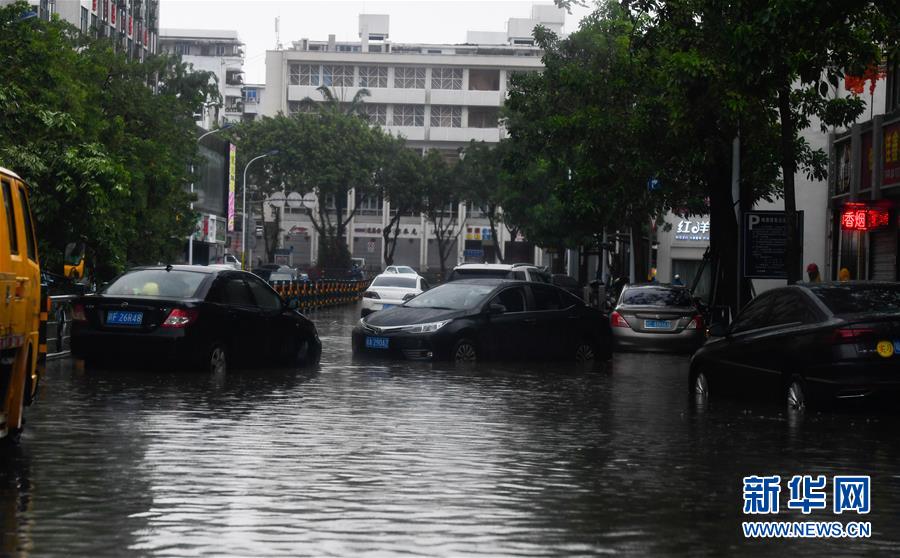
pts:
[426, 328]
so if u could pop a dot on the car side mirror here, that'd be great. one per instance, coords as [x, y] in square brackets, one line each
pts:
[496, 308]
[718, 329]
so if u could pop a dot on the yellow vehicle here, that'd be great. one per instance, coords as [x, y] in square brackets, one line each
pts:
[22, 308]
[73, 261]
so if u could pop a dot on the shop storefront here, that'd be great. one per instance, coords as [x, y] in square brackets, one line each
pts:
[865, 200]
[681, 249]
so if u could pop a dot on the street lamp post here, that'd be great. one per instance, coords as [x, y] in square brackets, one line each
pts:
[244, 205]
[191, 238]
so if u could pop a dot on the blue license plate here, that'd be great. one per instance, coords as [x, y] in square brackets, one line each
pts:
[657, 324]
[386, 306]
[377, 342]
[121, 317]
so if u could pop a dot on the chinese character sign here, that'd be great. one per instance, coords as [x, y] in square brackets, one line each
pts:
[858, 217]
[692, 230]
[806, 493]
[232, 163]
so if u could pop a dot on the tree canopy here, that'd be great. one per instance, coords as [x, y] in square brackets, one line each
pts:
[105, 143]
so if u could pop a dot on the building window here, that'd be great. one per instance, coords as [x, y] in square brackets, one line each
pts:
[84, 19]
[409, 78]
[377, 114]
[337, 76]
[408, 115]
[251, 96]
[484, 80]
[304, 74]
[446, 116]
[446, 78]
[369, 205]
[220, 50]
[893, 87]
[483, 117]
[373, 76]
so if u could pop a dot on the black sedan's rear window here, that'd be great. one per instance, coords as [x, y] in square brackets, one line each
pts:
[158, 283]
[657, 296]
[856, 298]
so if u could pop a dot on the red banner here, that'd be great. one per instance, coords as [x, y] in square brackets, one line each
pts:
[112, 14]
[94, 7]
[130, 25]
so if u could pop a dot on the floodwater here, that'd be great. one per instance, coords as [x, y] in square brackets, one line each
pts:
[407, 459]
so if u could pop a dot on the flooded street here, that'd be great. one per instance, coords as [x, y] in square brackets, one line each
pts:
[397, 458]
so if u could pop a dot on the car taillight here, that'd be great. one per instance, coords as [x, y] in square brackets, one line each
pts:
[180, 317]
[851, 335]
[616, 320]
[78, 313]
[696, 322]
[370, 294]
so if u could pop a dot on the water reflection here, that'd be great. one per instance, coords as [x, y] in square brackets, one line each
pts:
[412, 458]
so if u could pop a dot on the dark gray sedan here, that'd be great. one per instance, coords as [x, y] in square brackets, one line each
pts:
[657, 317]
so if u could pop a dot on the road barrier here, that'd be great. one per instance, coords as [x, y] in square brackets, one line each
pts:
[311, 295]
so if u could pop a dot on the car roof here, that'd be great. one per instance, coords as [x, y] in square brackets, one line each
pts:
[10, 173]
[208, 269]
[488, 281]
[392, 275]
[654, 285]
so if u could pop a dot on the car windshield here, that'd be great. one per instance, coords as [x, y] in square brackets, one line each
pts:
[279, 276]
[452, 296]
[394, 281]
[657, 296]
[157, 283]
[854, 299]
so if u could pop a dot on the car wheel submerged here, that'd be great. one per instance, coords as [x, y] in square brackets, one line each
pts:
[699, 388]
[217, 363]
[796, 396]
[464, 351]
[584, 353]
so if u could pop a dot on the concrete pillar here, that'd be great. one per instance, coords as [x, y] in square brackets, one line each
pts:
[855, 158]
[423, 244]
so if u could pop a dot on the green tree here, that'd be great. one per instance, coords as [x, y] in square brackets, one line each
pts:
[400, 181]
[440, 203]
[327, 154]
[481, 176]
[104, 143]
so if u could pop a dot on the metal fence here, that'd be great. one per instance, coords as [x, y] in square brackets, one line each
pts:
[59, 326]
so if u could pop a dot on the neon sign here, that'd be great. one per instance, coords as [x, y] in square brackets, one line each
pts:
[859, 217]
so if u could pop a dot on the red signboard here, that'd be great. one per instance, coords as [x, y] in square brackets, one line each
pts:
[891, 154]
[94, 6]
[859, 217]
[130, 24]
[112, 16]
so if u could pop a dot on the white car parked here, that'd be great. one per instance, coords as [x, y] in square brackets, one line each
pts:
[391, 289]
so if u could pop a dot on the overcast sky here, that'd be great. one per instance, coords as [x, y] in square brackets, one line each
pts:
[412, 21]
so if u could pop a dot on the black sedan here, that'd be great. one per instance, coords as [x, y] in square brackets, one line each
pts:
[190, 315]
[474, 319]
[816, 343]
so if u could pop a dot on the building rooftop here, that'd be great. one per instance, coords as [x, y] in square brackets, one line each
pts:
[222, 34]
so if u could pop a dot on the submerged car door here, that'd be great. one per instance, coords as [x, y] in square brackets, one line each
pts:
[787, 345]
[241, 319]
[738, 359]
[276, 325]
[512, 332]
[555, 332]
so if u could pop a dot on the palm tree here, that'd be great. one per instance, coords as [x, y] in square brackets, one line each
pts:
[333, 103]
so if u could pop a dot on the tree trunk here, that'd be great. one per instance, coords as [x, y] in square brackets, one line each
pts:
[498, 251]
[641, 272]
[792, 249]
[723, 233]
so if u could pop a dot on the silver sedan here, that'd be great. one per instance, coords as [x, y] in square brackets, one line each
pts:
[657, 317]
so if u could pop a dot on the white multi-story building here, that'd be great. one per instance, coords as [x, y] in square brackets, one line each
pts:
[134, 24]
[217, 51]
[437, 96]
